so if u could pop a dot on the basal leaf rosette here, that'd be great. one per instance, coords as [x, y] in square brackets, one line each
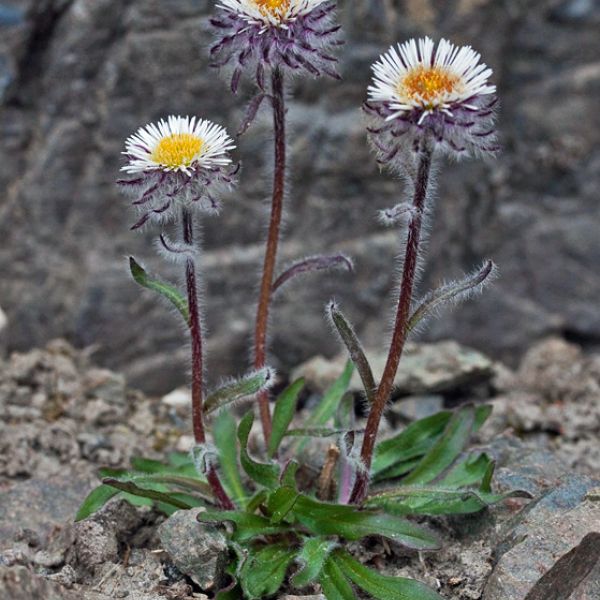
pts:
[439, 95]
[256, 36]
[180, 161]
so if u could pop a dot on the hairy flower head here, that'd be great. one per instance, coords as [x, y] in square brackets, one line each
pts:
[259, 35]
[441, 93]
[180, 159]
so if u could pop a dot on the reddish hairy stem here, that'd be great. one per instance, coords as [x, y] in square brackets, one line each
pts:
[198, 363]
[384, 390]
[264, 301]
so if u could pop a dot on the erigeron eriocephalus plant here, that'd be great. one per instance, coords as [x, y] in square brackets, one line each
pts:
[288, 526]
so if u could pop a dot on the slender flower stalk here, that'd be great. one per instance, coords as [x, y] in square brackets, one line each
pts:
[400, 326]
[267, 40]
[266, 286]
[198, 361]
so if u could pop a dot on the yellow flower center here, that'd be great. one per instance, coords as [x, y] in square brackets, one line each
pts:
[275, 8]
[427, 83]
[177, 150]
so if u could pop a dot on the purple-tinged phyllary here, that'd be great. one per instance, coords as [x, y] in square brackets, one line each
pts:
[422, 93]
[179, 162]
[259, 36]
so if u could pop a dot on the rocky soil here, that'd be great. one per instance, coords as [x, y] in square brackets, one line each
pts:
[78, 76]
[61, 418]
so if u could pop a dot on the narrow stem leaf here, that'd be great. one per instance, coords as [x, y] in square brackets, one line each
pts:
[285, 409]
[240, 389]
[132, 488]
[313, 264]
[166, 290]
[355, 349]
[224, 435]
[452, 292]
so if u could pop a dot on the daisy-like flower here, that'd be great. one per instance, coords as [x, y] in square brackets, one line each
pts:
[420, 92]
[180, 160]
[293, 35]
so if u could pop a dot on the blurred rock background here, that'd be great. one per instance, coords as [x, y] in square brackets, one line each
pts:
[78, 76]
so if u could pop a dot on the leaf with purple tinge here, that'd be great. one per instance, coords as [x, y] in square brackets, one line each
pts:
[251, 112]
[311, 265]
[355, 349]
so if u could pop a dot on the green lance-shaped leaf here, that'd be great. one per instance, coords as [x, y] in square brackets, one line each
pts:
[311, 265]
[333, 582]
[183, 461]
[328, 406]
[95, 500]
[398, 470]
[319, 432]
[434, 500]
[469, 472]
[401, 454]
[224, 436]
[288, 475]
[179, 465]
[322, 518]
[190, 484]
[281, 502]
[285, 409]
[411, 443]
[256, 500]
[452, 292]
[332, 398]
[168, 291]
[311, 558]
[265, 474]
[156, 496]
[247, 526]
[264, 571]
[355, 349]
[379, 586]
[237, 390]
[446, 450]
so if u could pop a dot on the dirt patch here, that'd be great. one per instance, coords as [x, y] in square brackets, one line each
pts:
[62, 419]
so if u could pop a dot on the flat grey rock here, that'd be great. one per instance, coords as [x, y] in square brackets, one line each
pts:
[196, 549]
[545, 532]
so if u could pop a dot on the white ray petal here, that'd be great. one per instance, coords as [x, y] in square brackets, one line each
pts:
[460, 68]
[270, 14]
[214, 149]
